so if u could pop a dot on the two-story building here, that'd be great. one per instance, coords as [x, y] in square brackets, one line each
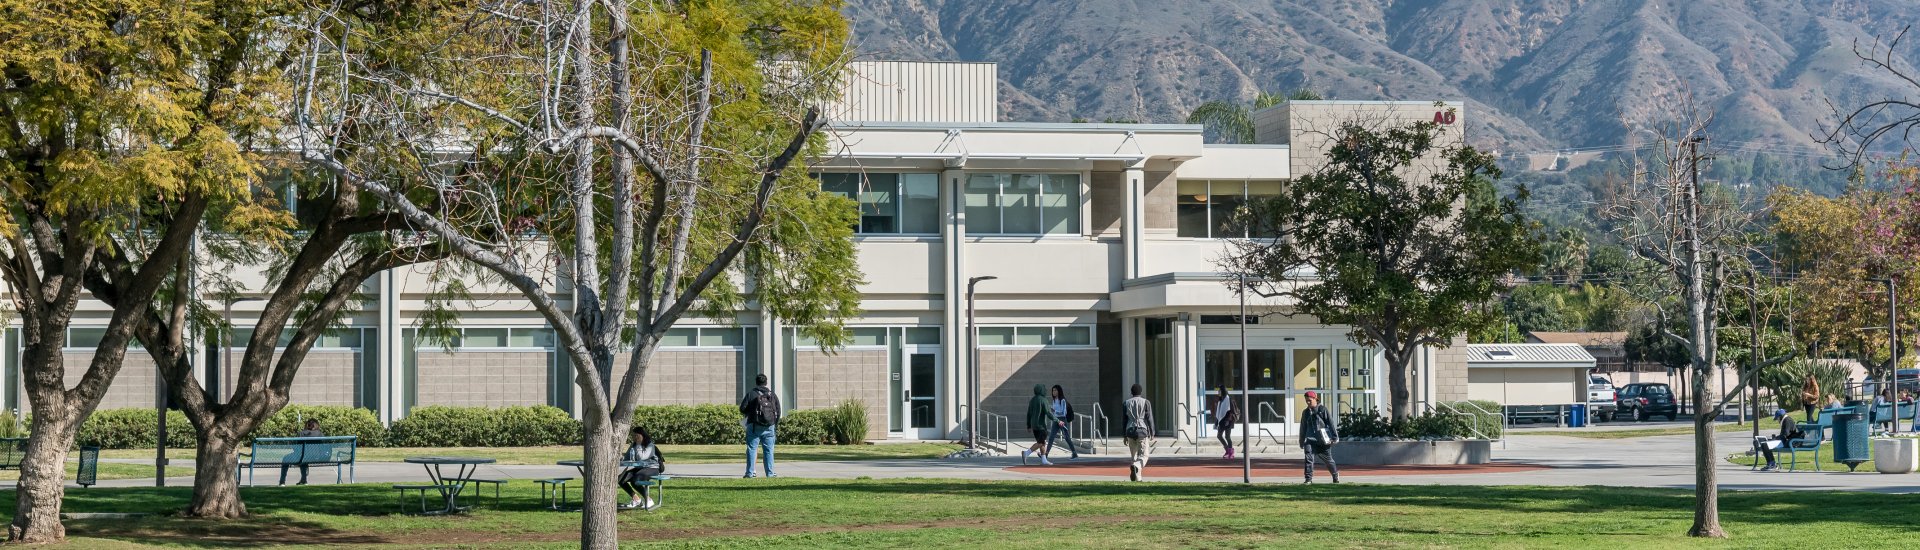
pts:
[1102, 244]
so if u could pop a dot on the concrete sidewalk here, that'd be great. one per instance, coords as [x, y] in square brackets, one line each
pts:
[1665, 461]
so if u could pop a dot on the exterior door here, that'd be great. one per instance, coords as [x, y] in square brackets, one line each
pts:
[919, 399]
[1267, 388]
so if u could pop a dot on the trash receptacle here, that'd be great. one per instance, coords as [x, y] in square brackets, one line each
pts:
[1850, 434]
[1579, 417]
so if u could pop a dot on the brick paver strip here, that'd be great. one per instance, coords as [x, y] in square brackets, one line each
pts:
[1186, 468]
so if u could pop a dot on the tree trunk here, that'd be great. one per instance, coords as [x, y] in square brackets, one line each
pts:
[216, 492]
[43, 474]
[1400, 385]
[599, 525]
[1706, 486]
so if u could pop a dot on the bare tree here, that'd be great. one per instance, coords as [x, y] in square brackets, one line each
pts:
[1697, 238]
[648, 157]
[1858, 131]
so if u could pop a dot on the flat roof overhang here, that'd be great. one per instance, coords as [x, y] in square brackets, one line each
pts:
[1169, 293]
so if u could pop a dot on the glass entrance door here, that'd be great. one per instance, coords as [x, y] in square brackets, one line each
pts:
[1267, 387]
[918, 403]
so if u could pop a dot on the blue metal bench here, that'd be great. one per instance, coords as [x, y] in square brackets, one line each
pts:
[274, 452]
[12, 451]
[1813, 434]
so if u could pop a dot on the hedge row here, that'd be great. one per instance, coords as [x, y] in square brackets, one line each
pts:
[134, 428]
[438, 426]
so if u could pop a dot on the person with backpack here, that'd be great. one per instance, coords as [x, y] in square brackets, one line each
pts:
[647, 462]
[1317, 436]
[1224, 416]
[1139, 429]
[1040, 418]
[762, 411]
[1062, 425]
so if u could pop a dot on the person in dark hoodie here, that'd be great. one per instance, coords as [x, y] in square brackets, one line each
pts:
[1317, 436]
[1039, 419]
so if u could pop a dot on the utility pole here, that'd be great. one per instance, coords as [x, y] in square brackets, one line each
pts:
[1246, 382]
[973, 362]
[1753, 356]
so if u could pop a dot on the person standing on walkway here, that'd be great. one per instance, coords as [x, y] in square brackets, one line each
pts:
[1224, 416]
[310, 429]
[1810, 398]
[1139, 429]
[647, 462]
[1040, 418]
[762, 411]
[1317, 436]
[1062, 425]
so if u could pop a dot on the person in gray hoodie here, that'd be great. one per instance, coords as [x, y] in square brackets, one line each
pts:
[1139, 430]
[1039, 419]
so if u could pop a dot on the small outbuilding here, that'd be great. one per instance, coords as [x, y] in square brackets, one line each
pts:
[1528, 374]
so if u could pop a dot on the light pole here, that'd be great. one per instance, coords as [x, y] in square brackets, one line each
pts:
[226, 361]
[973, 360]
[1246, 399]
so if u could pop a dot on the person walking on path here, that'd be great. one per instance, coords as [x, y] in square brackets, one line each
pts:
[1810, 398]
[310, 429]
[1224, 417]
[1040, 418]
[1139, 431]
[1062, 425]
[762, 411]
[1317, 436]
[649, 462]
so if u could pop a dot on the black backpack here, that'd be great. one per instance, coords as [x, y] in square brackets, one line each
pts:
[764, 410]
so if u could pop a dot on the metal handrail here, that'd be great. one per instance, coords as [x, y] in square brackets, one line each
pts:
[1477, 416]
[1266, 408]
[988, 424]
[1092, 427]
[1187, 420]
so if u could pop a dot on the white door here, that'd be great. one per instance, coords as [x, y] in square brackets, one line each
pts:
[919, 398]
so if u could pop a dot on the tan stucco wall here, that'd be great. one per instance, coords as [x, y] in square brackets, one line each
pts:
[686, 377]
[481, 378]
[1159, 200]
[131, 388]
[1450, 372]
[1007, 378]
[826, 380]
[1109, 197]
[325, 378]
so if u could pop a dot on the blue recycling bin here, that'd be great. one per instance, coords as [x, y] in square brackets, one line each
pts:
[1579, 417]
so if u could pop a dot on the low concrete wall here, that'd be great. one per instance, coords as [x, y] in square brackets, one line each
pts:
[1376, 453]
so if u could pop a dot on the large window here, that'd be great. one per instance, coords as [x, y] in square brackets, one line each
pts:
[1037, 336]
[1023, 204]
[1210, 209]
[890, 203]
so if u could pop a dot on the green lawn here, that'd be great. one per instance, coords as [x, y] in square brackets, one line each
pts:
[1767, 426]
[680, 454]
[1806, 460]
[807, 513]
[108, 470]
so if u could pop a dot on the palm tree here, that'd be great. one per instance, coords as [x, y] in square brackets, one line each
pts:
[1230, 122]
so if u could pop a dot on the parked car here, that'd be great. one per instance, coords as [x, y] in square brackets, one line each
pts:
[1600, 395]
[1643, 401]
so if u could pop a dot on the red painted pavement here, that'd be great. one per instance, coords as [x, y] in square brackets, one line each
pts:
[1262, 467]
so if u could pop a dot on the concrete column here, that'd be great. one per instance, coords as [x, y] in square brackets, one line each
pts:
[773, 359]
[388, 364]
[1133, 221]
[955, 342]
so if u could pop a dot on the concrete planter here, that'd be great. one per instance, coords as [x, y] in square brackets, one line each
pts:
[1896, 455]
[1377, 453]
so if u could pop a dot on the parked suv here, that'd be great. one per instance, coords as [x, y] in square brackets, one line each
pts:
[1641, 401]
[1600, 393]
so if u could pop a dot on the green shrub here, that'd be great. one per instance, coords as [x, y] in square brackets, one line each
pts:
[846, 424]
[133, 429]
[1485, 416]
[1444, 424]
[692, 425]
[440, 426]
[11, 425]
[804, 427]
[334, 420]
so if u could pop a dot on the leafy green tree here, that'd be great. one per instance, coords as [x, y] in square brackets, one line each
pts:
[662, 174]
[1543, 307]
[124, 124]
[1400, 254]
[1232, 122]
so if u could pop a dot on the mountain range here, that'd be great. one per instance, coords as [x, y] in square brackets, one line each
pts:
[1535, 74]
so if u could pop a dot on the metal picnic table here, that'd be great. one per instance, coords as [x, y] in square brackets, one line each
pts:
[657, 480]
[450, 486]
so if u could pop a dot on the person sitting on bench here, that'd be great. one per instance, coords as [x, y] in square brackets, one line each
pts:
[310, 429]
[1788, 431]
[651, 462]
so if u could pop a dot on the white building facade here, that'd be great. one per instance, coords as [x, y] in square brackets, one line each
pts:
[1102, 239]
